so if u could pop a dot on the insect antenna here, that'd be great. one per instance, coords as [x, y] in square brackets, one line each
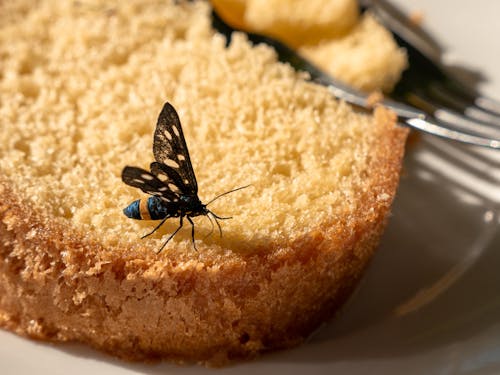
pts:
[227, 192]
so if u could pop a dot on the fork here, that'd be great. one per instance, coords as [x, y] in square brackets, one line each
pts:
[426, 99]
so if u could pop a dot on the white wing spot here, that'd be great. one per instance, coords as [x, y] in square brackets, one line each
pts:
[163, 188]
[136, 180]
[167, 134]
[181, 157]
[171, 163]
[176, 131]
[147, 176]
[173, 187]
[186, 181]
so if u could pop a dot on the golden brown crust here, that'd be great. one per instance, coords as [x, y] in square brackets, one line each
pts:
[59, 284]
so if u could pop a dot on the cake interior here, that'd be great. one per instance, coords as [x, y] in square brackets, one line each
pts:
[82, 84]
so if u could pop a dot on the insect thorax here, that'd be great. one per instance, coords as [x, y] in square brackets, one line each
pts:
[191, 205]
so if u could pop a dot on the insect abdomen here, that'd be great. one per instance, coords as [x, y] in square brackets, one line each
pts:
[145, 209]
[132, 210]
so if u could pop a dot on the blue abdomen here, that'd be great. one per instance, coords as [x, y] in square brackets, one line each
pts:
[132, 210]
[152, 208]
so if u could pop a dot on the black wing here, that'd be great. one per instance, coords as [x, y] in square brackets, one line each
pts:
[169, 148]
[148, 183]
[171, 177]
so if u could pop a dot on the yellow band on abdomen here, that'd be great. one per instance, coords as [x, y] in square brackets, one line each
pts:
[143, 209]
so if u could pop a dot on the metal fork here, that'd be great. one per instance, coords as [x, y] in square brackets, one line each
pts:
[446, 113]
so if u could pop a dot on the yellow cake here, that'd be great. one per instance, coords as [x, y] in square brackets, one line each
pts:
[351, 47]
[81, 86]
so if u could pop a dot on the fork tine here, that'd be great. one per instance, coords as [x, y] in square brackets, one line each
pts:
[446, 89]
[462, 122]
[462, 105]
[443, 131]
[485, 103]
[425, 75]
[435, 98]
[432, 99]
[451, 117]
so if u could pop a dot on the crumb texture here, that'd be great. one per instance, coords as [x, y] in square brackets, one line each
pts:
[81, 86]
[82, 89]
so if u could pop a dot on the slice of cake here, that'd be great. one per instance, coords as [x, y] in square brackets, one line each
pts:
[81, 86]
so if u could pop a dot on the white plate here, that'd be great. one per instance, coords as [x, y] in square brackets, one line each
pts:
[430, 302]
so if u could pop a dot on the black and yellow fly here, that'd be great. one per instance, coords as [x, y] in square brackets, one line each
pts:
[171, 182]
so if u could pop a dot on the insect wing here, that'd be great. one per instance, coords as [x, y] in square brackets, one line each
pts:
[170, 177]
[148, 183]
[169, 148]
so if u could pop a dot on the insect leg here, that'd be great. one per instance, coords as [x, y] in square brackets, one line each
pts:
[217, 222]
[171, 236]
[211, 230]
[192, 232]
[156, 228]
